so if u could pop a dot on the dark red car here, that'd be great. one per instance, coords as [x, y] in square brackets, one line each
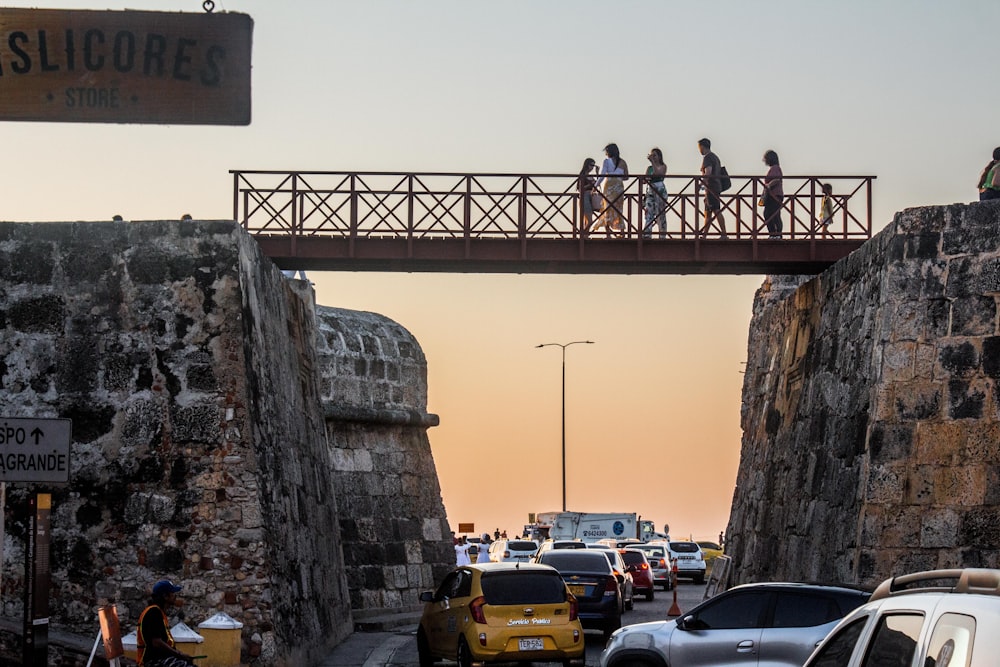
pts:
[642, 573]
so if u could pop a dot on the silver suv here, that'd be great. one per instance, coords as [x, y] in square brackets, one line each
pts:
[951, 620]
[777, 625]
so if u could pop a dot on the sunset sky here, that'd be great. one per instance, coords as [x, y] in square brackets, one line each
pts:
[904, 90]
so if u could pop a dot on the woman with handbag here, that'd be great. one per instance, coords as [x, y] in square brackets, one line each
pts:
[989, 180]
[614, 171]
[590, 198]
[655, 203]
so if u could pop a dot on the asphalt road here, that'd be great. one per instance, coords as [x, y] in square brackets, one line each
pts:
[399, 648]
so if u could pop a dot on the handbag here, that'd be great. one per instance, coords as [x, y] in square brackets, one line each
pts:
[596, 200]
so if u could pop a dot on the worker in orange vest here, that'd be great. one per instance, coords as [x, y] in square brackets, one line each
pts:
[154, 643]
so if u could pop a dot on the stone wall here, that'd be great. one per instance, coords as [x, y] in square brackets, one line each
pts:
[871, 409]
[395, 534]
[190, 369]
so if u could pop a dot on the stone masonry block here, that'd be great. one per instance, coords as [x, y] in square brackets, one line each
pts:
[962, 485]
[920, 485]
[886, 484]
[918, 401]
[938, 443]
[897, 360]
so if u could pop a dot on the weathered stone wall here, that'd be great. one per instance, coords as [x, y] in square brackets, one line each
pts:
[395, 534]
[189, 367]
[871, 409]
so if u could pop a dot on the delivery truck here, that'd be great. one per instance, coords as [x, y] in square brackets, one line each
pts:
[595, 526]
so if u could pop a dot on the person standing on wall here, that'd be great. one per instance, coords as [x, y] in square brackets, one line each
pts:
[773, 195]
[989, 180]
[154, 644]
[711, 171]
[613, 172]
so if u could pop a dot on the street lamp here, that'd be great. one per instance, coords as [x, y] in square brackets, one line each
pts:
[564, 346]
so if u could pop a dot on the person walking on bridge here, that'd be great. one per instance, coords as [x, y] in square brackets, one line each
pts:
[590, 201]
[711, 171]
[613, 172]
[989, 180]
[774, 195]
[655, 203]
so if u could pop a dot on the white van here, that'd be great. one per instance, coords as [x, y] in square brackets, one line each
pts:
[503, 551]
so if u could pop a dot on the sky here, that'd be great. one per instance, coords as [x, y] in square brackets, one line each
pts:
[899, 89]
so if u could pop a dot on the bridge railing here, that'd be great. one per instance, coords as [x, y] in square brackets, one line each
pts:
[521, 206]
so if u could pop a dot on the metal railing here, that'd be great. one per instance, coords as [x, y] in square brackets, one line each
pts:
[526, 206]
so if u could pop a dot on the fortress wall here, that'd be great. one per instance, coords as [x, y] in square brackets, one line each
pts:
[870, 409]
[189, 367]
[394, 530]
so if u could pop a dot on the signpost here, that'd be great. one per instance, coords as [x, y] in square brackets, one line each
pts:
[125, 66]
[34, 450]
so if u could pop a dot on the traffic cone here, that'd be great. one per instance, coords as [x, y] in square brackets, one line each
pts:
[674, 609]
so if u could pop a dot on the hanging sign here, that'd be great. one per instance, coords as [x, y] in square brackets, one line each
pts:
[125, 66]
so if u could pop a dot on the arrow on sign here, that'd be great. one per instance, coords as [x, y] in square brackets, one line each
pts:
[37, 434]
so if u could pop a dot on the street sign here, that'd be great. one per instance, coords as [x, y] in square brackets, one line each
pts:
[129, 66]
[34, 450]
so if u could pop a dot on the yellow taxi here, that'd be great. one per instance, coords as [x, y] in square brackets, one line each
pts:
[712, 550]
[500, 612]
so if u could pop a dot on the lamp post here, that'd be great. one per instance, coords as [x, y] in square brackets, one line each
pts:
[564, 346]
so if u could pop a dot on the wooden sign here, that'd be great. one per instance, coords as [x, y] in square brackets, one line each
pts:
[125, 66]
[466, 527]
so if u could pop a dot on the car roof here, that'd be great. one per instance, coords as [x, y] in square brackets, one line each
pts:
[970, 580]
[801, 586]
[575, 553]
[510, 566]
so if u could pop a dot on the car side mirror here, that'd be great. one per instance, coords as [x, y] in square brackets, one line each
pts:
[686, 622]
[427, 596]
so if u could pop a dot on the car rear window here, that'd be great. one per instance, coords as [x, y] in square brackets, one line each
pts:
[520, 545]
[684, 547]
[633, 557]
[577, 561]
[523, 588]
[653, 552]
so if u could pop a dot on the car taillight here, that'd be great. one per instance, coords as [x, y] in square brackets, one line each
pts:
[476, 609]
[663, 563]
[644, 566]
[611, 588]
[506, 555]
[574, 608]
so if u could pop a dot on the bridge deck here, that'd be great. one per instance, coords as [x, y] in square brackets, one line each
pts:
[515, 223]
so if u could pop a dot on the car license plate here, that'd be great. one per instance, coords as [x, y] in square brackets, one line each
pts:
[530, 644]
[578, 590]
[685, 558]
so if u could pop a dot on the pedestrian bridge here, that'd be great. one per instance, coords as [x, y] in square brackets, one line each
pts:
[531, 223]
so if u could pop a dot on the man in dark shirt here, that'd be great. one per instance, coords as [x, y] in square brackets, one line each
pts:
[155, 645]
[711, 170]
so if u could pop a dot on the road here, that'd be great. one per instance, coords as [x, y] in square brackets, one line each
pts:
[399, 649]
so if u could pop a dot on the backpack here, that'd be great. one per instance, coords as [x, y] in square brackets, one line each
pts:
[724, 181]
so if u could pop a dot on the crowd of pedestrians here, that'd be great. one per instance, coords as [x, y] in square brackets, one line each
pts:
[602, 193]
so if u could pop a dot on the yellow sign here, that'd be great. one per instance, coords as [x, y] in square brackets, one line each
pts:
[125, 66]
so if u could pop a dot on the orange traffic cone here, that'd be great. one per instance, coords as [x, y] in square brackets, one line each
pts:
[674, 609]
